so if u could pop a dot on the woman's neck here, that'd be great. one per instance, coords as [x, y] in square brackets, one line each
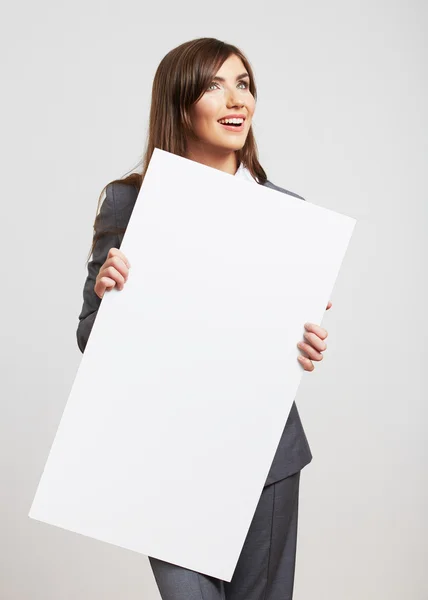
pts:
[224, 161]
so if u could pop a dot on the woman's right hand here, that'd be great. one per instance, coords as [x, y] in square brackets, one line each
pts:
[114, 272]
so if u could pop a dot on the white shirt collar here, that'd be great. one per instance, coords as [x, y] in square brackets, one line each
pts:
[244, 173]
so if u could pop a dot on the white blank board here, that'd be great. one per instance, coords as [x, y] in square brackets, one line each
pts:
[190, 371]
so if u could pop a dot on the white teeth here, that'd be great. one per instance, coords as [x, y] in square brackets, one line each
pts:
[237, 121]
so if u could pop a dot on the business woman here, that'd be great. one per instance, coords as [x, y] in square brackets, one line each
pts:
[203, 101]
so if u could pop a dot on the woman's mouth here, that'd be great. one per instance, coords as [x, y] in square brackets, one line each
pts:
[238, 127]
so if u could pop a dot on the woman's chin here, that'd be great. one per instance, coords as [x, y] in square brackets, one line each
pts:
[235, 144]
[221, 145]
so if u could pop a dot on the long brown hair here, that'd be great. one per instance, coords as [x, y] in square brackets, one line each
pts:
[181, 79]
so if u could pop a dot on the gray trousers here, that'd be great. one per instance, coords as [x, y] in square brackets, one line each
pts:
[265, 569]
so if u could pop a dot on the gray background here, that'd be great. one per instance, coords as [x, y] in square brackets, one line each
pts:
[341, 120]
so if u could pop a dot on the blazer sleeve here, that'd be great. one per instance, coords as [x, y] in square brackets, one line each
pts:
[106, 220]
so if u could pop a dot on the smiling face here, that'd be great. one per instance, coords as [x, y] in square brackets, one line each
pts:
[227, 95]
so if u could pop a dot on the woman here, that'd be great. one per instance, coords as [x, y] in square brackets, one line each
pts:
[196, 87]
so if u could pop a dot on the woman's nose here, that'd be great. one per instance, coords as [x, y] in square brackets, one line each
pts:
[234, 99]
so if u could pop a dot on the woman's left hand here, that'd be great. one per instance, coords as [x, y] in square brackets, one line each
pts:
[313, 345]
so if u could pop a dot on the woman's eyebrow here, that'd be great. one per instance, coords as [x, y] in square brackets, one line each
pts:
[237, 77]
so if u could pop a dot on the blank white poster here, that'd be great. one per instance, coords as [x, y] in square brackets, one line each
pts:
[190, 371]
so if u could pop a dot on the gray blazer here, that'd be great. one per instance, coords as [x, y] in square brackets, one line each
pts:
[293, 452]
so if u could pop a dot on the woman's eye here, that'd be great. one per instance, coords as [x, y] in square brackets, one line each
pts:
[215, 83]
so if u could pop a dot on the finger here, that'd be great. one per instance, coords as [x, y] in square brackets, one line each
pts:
[315, 341]
[329, 305]
[117, 262]
[120, 254]
[103, 284]
[311, 352]
[114, 274]
[317, 329]
[306, 363]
